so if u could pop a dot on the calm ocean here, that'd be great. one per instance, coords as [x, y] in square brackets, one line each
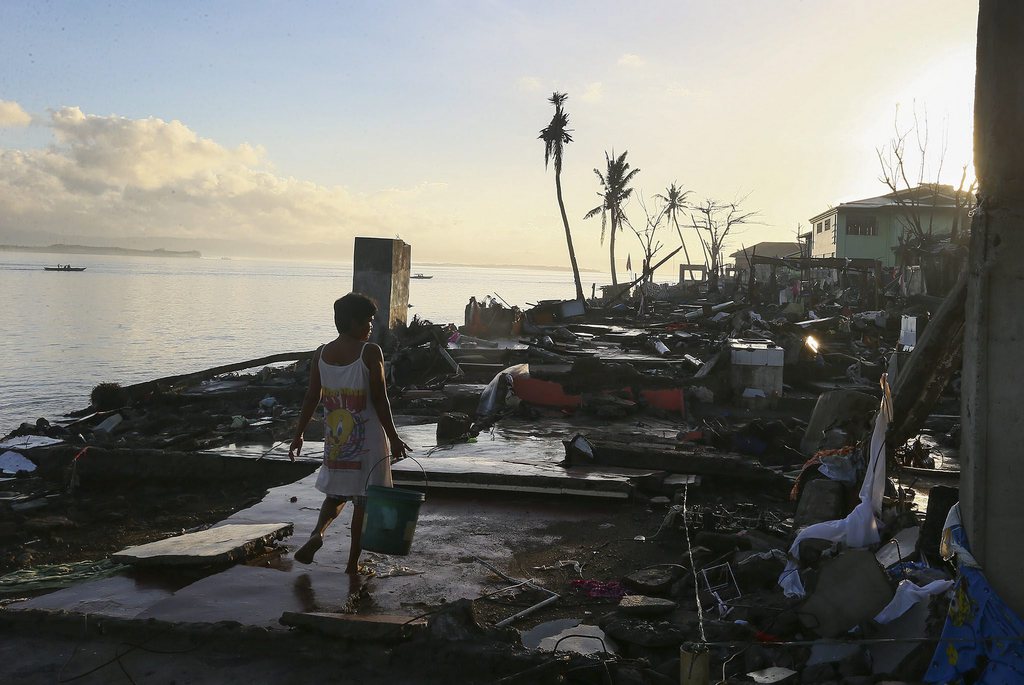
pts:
[130, 319]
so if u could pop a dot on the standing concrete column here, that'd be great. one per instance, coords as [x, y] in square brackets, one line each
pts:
[380, 269]
[992, 482]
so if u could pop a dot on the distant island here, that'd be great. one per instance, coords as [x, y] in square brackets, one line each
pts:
[88, 249]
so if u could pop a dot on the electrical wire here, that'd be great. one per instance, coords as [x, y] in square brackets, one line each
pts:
[693, 569]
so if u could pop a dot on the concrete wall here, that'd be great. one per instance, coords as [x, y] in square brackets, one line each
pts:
[824, 244]
[381, 271]
[992, 471]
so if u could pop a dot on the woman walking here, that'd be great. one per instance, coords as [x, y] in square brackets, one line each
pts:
[347, 377]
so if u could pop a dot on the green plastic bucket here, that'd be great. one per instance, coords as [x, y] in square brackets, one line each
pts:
[390, 519]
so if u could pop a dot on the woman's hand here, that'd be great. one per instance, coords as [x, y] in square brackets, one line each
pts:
[399, 450]
[295, 448]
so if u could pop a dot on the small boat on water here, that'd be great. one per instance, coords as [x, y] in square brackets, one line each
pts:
[423, 276]
[64, 267]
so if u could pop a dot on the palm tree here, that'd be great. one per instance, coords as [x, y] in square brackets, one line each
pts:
[614, 182]
[675, 204]
[556, 136]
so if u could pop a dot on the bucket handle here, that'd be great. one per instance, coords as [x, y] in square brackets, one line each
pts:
[426, 484]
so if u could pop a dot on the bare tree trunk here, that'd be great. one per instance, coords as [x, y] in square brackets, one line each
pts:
[568, 238]
[685, 251]
[615, 225]
[713, 275]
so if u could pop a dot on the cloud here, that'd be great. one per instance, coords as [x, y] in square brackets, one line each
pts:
[593, 92]
[144, 153]
[529, 84]
[12, 115]
[109, 176]
[677, 90]
[631, 60]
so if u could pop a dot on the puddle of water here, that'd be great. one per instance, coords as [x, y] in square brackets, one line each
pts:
[531, 638]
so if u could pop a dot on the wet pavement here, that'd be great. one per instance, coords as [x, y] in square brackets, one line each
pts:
[454, 530]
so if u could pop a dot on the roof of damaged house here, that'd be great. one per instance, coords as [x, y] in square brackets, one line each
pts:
[926, 195]
[769, 249]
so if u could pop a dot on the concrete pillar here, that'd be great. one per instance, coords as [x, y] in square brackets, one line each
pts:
[992, 481]
[380, 270]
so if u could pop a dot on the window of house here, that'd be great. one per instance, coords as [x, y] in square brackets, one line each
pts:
[818, 227]
[862, 225]
[828, 224]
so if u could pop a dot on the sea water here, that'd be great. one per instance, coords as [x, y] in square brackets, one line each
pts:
[132, 319]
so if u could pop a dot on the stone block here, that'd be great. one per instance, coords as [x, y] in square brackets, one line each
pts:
[652, 581]
[851, 589]
[820, 500]
[639, 605]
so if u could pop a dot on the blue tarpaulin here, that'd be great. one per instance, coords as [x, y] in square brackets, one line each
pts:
[982, 639]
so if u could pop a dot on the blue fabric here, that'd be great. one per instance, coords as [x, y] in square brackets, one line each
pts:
[977, 619]
[898, 571]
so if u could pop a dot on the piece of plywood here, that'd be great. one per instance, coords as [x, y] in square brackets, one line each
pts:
[220, 545]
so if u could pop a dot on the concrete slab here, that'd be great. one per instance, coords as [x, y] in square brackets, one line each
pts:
[119, 597]
[28, 442]
[218, 545]
[517, 457]
[376, 628]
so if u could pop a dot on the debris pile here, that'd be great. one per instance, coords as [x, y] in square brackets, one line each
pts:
[757, 428]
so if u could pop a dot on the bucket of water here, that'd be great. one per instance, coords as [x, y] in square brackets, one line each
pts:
[390, 519]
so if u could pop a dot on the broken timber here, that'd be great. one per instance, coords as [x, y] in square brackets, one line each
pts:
[933, 362]
[139, 390]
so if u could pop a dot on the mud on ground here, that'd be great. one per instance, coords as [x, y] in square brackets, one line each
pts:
[87, 526]
[607, 552]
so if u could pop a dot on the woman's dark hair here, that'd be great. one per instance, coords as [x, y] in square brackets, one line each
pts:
[352, 308]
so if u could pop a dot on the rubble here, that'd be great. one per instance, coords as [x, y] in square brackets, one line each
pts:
[731, 423]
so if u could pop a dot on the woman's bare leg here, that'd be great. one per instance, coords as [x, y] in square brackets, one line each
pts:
[329, 510]
[356, 548]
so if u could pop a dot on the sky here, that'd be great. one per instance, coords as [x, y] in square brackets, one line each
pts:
[284, 129]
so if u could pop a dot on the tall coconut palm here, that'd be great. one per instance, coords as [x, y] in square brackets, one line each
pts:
[556, 136]
[674, 201]
[615, 191]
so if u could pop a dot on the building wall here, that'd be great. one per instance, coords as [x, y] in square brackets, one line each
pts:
[866, 246]
[837, 241]
[823, 244]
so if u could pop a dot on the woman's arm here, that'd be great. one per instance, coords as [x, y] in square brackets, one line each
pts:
[374, 360]
[309, 404]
